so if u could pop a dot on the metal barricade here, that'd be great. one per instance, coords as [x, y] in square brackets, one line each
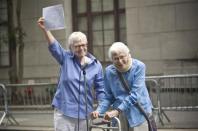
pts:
[30, 96]
[6, 114]
[176, 93]
[168, 93]
[154, 93]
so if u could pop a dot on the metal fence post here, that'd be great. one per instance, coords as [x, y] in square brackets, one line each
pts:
[6, 113]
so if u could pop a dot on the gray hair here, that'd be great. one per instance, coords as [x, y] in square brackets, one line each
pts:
[117, 47]
[76, 37]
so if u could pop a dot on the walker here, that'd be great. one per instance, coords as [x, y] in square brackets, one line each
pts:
[105, 126]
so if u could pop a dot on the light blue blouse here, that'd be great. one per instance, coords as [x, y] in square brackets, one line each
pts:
[118, 97]
[70, 94]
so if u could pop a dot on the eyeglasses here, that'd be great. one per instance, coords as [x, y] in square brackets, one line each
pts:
[118, 58]
[80, 45]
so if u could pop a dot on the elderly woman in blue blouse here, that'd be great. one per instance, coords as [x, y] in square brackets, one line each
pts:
[71, 97]
[123, 102]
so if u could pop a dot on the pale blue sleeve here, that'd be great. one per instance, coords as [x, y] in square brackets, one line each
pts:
[108, 99]
[99, 83]
[57, 51]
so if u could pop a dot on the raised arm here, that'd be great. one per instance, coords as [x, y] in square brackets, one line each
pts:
[48, 35]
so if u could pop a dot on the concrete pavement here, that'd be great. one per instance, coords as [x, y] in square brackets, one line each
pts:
[43, 121]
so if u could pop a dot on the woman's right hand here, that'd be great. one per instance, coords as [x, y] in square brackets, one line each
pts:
[40, 23]
[94, 114]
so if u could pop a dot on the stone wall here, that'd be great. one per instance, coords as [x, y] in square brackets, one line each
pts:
[164, 34]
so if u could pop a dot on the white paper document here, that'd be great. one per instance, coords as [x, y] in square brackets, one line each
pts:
[54, 17]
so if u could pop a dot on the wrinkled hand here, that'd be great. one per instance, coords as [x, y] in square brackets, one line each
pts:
[111, 114]
[94, 114]
[40, 23]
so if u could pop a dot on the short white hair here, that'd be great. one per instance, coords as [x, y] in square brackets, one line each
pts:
[76, 37]
[117, 47]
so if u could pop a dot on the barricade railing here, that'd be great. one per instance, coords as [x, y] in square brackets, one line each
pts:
[176, 93]
[154, 93]
[168, 93]
[30, 96]
[5, 114]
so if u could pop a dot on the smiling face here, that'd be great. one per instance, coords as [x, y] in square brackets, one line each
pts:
[120, 55]
[79, 49]
[121, 60]
[78, 44]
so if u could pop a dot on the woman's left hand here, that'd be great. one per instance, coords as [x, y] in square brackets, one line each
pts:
[110, 114]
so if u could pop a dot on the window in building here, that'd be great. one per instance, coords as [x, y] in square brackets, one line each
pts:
[103, 21]
[4, 46]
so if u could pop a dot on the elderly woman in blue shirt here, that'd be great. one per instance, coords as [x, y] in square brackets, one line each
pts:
[73, 100]
[123, 102]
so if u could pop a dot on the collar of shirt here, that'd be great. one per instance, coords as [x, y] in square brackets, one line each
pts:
[89, 57]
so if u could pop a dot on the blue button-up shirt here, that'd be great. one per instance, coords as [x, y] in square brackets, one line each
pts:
[118, 97]
[70, 95]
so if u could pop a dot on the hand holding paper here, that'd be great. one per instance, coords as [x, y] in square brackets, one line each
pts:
[54, 17]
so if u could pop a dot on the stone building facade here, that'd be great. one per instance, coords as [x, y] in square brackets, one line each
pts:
[161, 33]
